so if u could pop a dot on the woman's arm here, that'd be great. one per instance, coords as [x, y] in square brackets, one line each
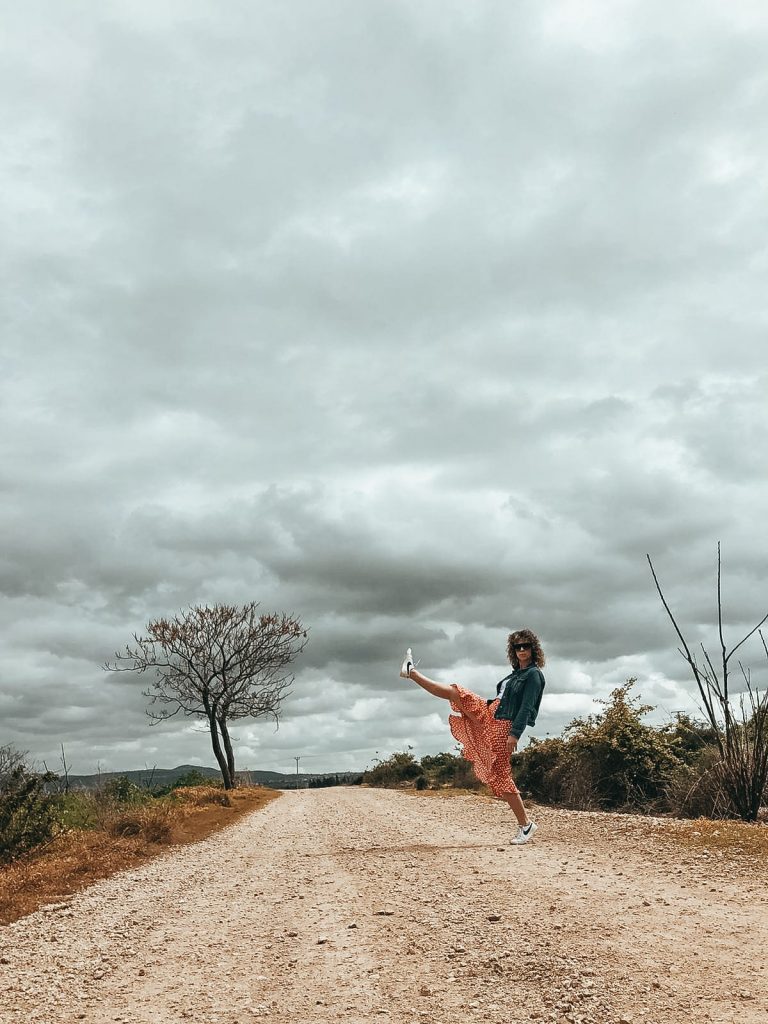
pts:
[527, 706]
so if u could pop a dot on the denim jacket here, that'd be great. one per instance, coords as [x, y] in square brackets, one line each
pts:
[521, 699]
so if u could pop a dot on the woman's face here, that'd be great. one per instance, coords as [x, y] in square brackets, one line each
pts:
[523, 653]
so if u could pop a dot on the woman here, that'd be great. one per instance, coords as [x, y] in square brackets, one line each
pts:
[489, 730]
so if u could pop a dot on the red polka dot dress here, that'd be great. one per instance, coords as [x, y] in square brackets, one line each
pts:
[483, 740]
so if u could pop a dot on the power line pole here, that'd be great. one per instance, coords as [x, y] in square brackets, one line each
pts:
[296, 759]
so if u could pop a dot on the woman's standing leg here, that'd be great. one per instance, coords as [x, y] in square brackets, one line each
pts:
[525, 827]
[515, 802]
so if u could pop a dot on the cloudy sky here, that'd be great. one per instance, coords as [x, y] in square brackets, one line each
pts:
[422, 321]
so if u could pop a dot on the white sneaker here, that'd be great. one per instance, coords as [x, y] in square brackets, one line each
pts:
[523, 834]
[405, 668]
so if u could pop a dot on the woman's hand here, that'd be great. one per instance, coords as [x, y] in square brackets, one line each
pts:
[511, 744]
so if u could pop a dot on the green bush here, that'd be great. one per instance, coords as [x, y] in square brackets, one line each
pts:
[435, 769]
[121, 790]
[690, 737]
[464, 776]
[77, 809]
[188, 780]
[28, 814]
[538, 770]
[440, 768]
[610, 760]
[194, 778]
[398, 768]
[628, 763]
[446, 769]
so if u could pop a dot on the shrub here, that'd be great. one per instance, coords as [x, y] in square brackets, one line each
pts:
[27, 811]
[113, 798]
[626, 763]
[537, 769]
[77, 809]
[446, 769]
[121, 790]
[399, 767]
[200, 796]
[690, 737]
[154, 822]
[440, 768]
[193, 778]
[610, 760]
[697, 791]
[463, 775]
[188, 780]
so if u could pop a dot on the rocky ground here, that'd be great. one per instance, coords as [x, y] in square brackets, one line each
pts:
[354, 905]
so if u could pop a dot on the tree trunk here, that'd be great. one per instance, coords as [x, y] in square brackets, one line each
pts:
[228, 748]
[220, 755]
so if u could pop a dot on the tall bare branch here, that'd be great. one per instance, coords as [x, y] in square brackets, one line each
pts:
[741, 732]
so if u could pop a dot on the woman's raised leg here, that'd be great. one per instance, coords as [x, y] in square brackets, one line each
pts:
[444, 690]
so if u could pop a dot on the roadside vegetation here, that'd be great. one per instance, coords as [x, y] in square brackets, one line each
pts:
[55, 841]
[614, 761]
[432, 772]
[609, 761]
[736, 716]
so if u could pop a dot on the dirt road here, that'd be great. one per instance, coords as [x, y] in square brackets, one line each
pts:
[364, 905]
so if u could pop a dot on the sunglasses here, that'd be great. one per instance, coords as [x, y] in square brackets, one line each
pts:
[521, 647]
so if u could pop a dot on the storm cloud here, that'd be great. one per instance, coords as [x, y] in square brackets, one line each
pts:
[422, 322]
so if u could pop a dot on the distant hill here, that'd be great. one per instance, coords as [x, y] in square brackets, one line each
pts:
[167, 776]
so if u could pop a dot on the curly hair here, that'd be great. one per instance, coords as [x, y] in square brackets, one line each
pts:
[525, 636]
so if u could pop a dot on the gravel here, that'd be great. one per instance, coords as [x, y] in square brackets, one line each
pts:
[349, 904]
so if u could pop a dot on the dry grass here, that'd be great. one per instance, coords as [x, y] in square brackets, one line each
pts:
[77, 858]
[201, 796]
[154, 822]
[732, 836]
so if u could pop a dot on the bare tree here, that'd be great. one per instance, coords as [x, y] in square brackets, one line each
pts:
[220, 663]
[741, 729]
